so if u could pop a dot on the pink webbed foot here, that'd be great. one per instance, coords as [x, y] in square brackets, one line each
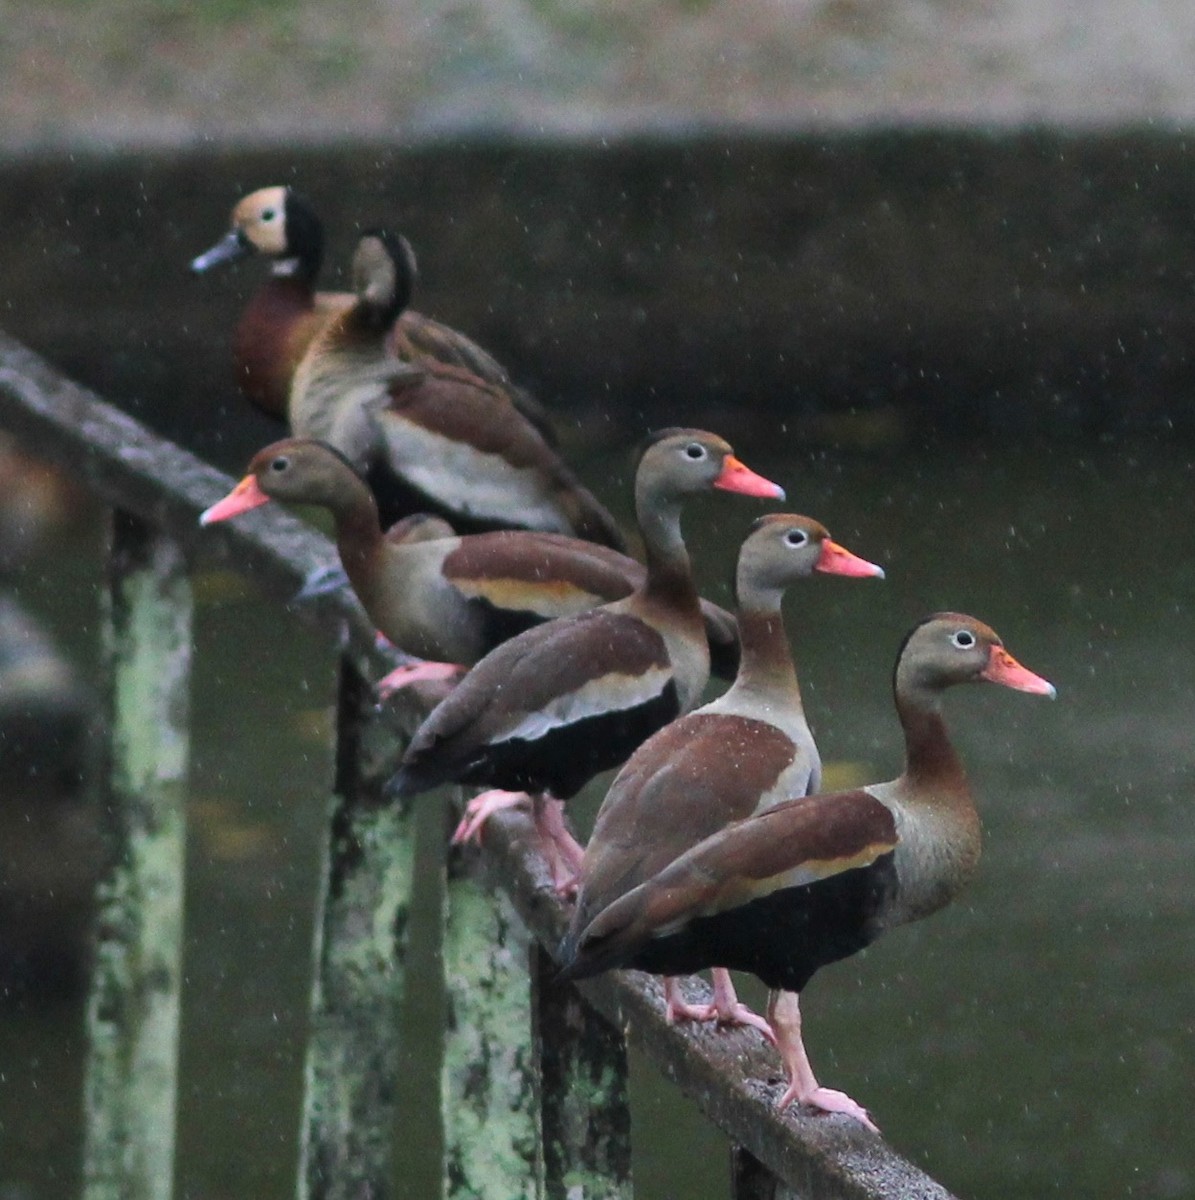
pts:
[829, 1100]
[677, 1008]
[480, 809]
[423, 672]
[727, 1010]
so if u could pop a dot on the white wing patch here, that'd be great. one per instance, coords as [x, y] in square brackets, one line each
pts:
[615, 692]
[465, 479]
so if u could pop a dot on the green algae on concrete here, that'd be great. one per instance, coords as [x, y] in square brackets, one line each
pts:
[349, 1109]
[488, 1094]
[584, 1106]
[133, 1011]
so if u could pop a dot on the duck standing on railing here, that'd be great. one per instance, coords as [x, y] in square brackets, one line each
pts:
[815, 879]
[287, 311]
[439, 595]
[429, 436]
[553, 707]
[747, 750]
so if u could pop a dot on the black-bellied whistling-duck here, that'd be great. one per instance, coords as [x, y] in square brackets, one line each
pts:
[551, 708]
[433, 593]
[749, 749]
[815, 879]
[426, 435]
[286, 311]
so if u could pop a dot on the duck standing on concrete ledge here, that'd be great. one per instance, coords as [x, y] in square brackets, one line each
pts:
[750, 748]
[815, 879]
[287, 311]
[553, 707]
[439, 595]
[429, 436]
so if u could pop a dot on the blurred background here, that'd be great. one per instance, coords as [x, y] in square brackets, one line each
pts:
[927, 262]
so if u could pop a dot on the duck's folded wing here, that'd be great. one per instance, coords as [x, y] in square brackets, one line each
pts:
[794, 844]
[553, 675]
[550, 575]
[684, 784]
[462, 440]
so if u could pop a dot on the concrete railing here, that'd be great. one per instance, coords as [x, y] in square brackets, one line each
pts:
[534, 1076]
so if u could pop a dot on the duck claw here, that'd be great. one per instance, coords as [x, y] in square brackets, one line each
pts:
[480, 809]
[829, 1100]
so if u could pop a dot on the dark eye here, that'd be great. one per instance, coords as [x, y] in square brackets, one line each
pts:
[695, 451]
[964, 639]
[796, 537]
[280, 463]
[268, 215]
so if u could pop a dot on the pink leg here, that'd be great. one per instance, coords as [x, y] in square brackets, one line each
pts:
[784, 1012]
[726, 1008]
[422, 672]
[729, 1010]
[479, 809]
[677, 1008]
[563, 852]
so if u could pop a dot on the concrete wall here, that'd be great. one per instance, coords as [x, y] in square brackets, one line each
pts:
[859, 289]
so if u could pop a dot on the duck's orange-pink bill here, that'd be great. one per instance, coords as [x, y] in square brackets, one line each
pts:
[737, 477]
[242, 498]
[838, 560]
[1003, 668]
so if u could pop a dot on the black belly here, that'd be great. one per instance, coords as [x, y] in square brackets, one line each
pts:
[783, 938]
[497, 625]
[566, 758]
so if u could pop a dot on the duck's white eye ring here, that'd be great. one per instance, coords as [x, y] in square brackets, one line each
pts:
[280, 463]
[964, 639]
[695, 451]
[796, 537]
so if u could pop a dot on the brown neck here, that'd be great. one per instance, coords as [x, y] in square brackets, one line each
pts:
[262, 346]
[930, 760]
[669, 577]
[766, 667]
[358, 529]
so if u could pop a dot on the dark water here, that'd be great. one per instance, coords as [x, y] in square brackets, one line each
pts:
[1036, 1038]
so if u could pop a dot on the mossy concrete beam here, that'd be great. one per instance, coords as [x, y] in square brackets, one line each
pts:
[131, 1084]
[585, 1110]
[359, 972]
[488, 1090]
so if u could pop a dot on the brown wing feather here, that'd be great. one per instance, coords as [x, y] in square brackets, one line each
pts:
[689, 781]
[535, 670]
[818, 835]
[544, 561]
[508, 564]
[417, 336]
[457, 405]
